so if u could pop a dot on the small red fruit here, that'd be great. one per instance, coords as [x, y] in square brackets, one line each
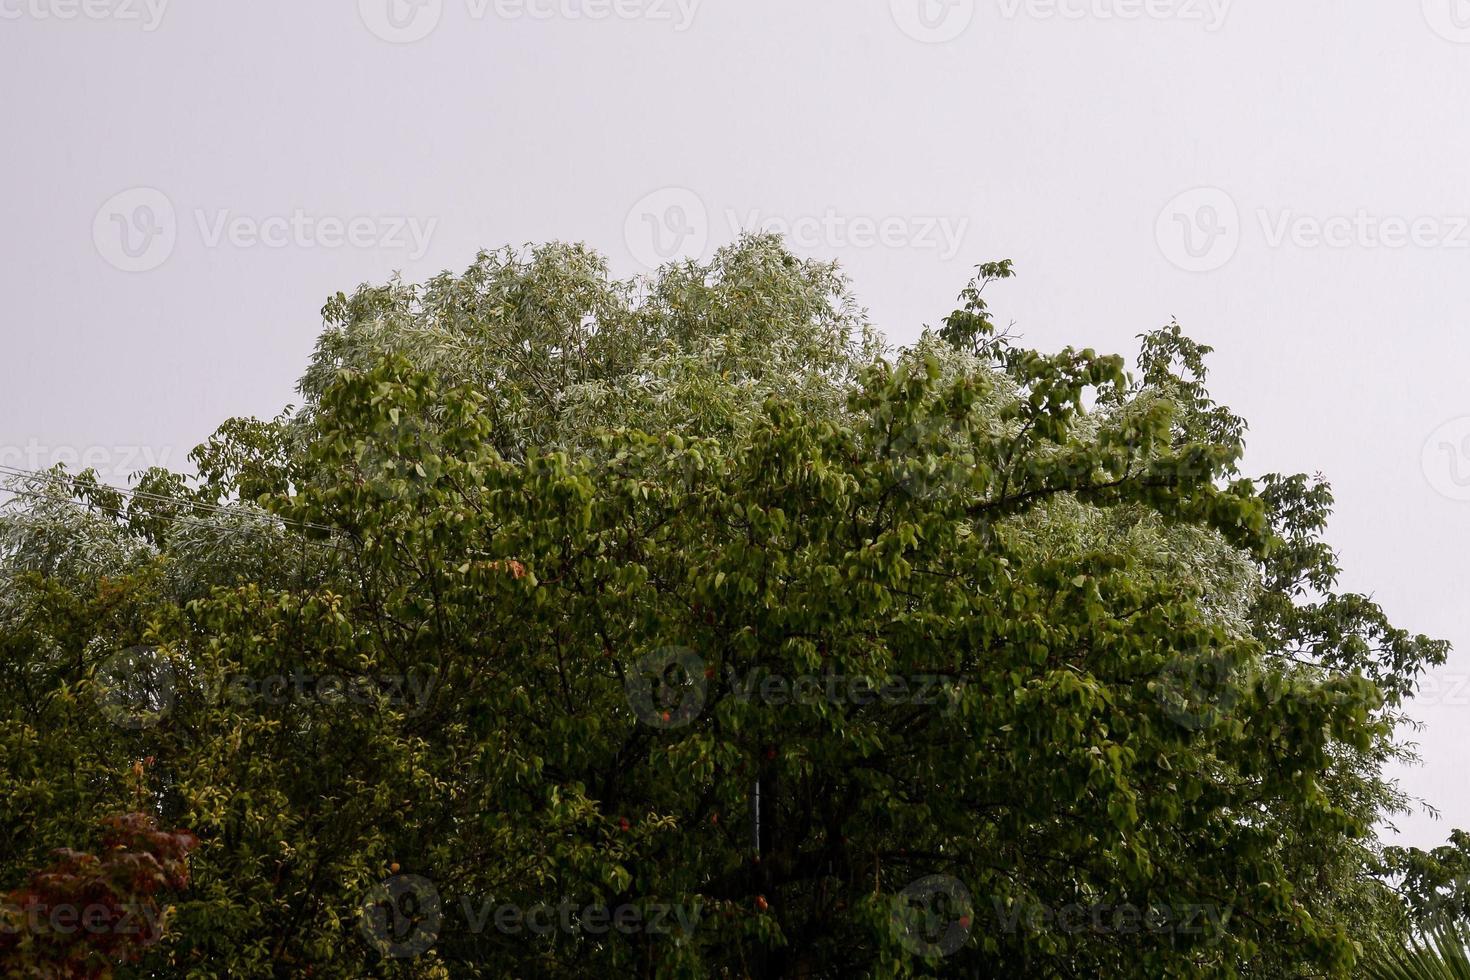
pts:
[761, 904]
[393, 867]
[623, 823]
[964, 922]
[714, 818]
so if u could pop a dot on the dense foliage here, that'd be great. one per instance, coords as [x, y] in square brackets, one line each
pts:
[677, 627]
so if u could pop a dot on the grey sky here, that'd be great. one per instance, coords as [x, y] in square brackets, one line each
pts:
[1286, 179]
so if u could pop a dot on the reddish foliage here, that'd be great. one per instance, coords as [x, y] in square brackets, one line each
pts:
[87, 912]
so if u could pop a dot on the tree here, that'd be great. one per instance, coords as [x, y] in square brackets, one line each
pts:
[679, 628]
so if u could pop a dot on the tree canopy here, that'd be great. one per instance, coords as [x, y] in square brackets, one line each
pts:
[682, 627]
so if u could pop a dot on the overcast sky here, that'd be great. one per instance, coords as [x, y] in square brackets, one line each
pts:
[184, 185]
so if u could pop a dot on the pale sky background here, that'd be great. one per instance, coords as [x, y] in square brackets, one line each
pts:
[1321, 150]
